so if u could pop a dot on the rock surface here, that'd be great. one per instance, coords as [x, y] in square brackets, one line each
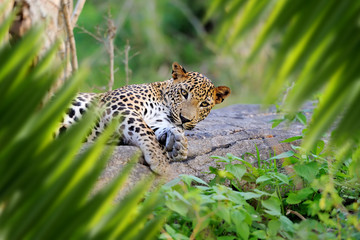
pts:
[235, 129]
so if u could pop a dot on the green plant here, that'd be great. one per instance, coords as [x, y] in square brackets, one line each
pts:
[46, 184]
[314, 45]
[266, 201]
[291, 117]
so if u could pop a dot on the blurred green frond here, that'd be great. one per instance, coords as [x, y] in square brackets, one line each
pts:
[315, 44]
[5, 25]
[46, 184]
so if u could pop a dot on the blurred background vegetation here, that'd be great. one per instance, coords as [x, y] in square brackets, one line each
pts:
[160, 32]
[257, 48]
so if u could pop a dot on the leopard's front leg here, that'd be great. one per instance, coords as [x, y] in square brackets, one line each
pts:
[141, 135]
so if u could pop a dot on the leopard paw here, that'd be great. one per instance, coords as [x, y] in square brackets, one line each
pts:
[175, 143]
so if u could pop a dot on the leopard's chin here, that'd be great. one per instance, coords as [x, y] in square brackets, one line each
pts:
[188, 127]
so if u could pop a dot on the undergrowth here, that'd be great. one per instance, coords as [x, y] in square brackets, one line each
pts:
[302, 199]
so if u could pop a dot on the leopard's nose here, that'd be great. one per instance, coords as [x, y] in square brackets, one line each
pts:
[184, 119]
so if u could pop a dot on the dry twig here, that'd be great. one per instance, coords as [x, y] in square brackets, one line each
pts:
[108, 43]
[76, 13]
[110, 48]
[69, 29]
[296, 213]
[111, 31]
[126, 62]
[83, 30]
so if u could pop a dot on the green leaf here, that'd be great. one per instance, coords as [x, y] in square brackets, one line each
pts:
[282, 177]
[249, 16]
[299, 196]
[242, 230]
[261, 192]
[301, 117]
[319, 147]
[223, 212]
[291, 139]
[272, 206]
[236, 197]
[202, 224]
[221, 159]
[282, 155]
[188, 179]
[355, 164]
[212, 9]
[259, 234]
[178, 206]
[263, 178]
[273, 227]
[250, 195]
[238, 170]
[287, 224]
[150, 230]
[225, 238]
[307, 170]
[237, 217]
[172, 183]
[276, 122]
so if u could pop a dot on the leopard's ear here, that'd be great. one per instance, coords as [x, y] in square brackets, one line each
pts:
[221, 93]
[178, 71]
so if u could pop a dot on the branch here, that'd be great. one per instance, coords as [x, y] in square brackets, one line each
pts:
[69, 30]
[110, 41]
[126, 61]
[83, 30]
[296, 213]
[76, 13]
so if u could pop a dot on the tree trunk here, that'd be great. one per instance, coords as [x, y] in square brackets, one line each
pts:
[59, 20]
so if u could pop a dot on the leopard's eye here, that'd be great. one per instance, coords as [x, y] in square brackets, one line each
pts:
[204, 104]
[184, 93]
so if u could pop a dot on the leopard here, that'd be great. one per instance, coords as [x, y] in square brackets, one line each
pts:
[154, 116]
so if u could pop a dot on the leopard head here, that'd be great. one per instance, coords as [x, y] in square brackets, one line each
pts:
[192, 96]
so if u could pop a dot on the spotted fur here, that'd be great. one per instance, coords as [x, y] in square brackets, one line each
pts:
[153, 116]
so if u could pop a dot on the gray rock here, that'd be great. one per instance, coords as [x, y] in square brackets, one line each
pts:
[235, 129]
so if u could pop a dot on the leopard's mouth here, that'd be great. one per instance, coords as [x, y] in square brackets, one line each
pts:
[178, 119]
[186, 123]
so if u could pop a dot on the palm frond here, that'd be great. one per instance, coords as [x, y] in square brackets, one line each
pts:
[316, 47]
[46, 183]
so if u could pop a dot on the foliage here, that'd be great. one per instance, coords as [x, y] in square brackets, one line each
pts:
[290, 117]
[163, 31]
[315, 44]
[160, 32]
[45, 183]
[266, 202]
